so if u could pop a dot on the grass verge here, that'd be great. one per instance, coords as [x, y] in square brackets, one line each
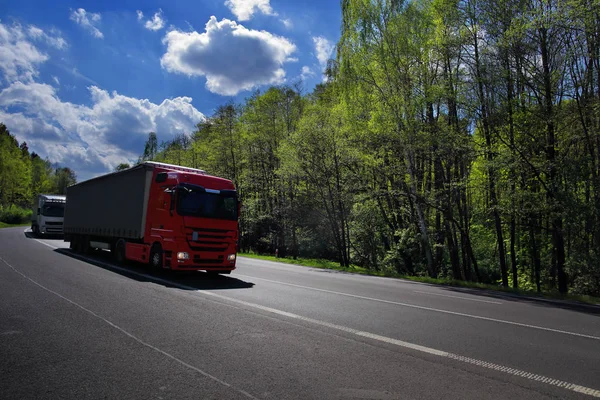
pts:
[326, 264]
[5, 225]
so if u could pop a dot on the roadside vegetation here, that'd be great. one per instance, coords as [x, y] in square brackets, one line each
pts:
[24, 175]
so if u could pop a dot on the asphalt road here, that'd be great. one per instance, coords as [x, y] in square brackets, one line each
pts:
[77, 328]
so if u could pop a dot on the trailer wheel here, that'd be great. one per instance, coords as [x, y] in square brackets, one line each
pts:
[85, 245]
[120, 252]
[156, 257]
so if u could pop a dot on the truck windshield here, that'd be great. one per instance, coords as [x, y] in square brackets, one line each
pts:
[195, 201]
[53, 210]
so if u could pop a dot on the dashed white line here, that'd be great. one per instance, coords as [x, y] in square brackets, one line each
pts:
[502, 321]
[458, 297]
[424, 349]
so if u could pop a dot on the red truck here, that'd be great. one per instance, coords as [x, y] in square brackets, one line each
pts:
[166, 216]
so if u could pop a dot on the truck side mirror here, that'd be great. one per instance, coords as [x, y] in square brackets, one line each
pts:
[38, 211]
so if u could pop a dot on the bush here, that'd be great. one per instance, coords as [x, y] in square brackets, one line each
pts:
[15, 215]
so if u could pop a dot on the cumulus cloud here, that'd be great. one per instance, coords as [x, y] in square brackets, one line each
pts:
[91, 139]
[140, 15]
[230, 56]
[245, 9]
[88, 21]
[156, 23]
[19, 58]
[323, 49]
[112, 130]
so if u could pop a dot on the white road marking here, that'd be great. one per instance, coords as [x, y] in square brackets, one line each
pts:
[46, 244]
[428, 350]
[28, 230]
[126, 333]
[502, 321]
[458, 297]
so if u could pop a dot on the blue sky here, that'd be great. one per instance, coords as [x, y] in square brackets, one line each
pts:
[84, 82]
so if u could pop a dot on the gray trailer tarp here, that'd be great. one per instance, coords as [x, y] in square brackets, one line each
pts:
[113, 205]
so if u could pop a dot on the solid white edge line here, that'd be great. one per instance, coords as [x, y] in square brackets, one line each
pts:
[457, 297]
[427, 308]
[40, 241]
[126, 333]
[440, 353]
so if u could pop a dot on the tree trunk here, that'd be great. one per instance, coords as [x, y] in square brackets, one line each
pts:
[558, 242]
[490, 159]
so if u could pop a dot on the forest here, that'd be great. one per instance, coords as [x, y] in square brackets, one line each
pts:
[449, 139]
[24, 175]
[452, 139]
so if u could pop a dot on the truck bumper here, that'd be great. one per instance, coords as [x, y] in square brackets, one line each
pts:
[203, 261]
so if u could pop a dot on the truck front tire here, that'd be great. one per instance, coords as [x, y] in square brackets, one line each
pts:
[156, 257]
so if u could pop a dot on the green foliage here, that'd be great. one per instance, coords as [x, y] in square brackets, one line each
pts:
[122, 166]
[14, 215]
[23, 176]
[453, 141]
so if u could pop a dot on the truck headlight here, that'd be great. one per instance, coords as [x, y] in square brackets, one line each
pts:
[182, 255]
[231, 257]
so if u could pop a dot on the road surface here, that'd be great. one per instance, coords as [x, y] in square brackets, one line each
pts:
[74, 328]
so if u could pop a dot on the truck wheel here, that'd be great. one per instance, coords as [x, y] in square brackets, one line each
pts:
[156, 257]
[120, 252]
[76, 241]
[85, 245]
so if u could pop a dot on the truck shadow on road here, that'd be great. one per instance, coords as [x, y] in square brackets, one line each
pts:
[177, 280]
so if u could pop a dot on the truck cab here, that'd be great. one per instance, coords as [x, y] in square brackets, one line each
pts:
[48, 215]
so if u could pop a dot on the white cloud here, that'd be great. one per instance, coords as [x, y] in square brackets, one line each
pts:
[54, 39]
[323, 48]
[88, 21]
[97, 138]
[18, 57]
[56, 80]
[232, 57]
[306, 72]
[140, 15]
[156, 23]
[287, 22]
[245, 9]
[90, 139]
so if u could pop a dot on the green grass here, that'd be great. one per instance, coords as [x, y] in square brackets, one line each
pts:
[5, 225]
[326, 264]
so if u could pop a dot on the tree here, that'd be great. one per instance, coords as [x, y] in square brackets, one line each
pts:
[122, 166]
[64, 177]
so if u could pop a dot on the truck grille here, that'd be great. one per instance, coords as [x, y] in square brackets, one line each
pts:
[198, 260]
[54, 223]
[209, 240]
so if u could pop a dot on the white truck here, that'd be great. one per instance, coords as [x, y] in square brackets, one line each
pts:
[48, 215]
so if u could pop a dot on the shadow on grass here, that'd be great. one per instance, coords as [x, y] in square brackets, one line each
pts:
[193, 280]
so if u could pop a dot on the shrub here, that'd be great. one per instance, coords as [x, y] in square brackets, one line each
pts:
[14, 215]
